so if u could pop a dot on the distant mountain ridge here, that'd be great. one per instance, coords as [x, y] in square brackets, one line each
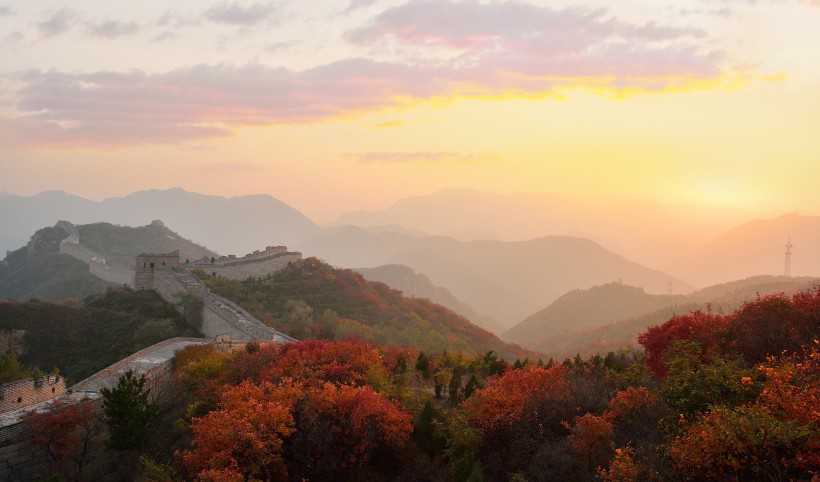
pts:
[418, 285]
[757, 247]
[236, 225]
[580, 309]
[577, 322]
[505, 280]
[38, 270]
[651, 234]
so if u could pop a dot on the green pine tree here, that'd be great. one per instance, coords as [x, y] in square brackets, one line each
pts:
[129, 411]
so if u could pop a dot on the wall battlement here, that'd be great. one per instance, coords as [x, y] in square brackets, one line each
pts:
[253, 265]
[30, 391]
[220, 316]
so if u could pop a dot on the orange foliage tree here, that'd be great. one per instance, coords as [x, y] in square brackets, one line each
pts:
[340, 426]
[302, 412]
[777, 436]
[244, 438]
[311, 362]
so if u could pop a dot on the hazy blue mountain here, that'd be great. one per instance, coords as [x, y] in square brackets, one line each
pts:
[653, 234]
[235, 225]
[418, 285]
[38, 270]
[757, 248]
[504, 280]
[609, 317]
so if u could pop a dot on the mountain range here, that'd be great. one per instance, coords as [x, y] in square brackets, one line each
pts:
[505, 280]
[237, 225]
[657, 235]
[503, 256]
[609, 317]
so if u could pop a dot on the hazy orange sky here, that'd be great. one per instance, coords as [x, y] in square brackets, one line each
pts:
[332, 106]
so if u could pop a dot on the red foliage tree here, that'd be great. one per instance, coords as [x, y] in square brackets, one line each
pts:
[245, 436]
[315, 362]
[68, 433]
[771, 324]
[590, 439]
[629, 402]
[340, 426]
[531, 394]
[697, 326]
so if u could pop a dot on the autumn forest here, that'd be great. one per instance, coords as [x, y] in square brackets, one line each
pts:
[708, 396]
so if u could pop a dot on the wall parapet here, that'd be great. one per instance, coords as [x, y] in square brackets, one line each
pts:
[221, 316]
[30, 391]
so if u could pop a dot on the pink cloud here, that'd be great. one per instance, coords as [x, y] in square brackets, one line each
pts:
[470, 25]
[203, 101]
[493, 49]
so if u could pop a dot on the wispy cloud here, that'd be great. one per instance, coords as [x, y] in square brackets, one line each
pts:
[359, 4]
[280, 46]
[497, 50]
[237, 14]
[57, 22]
[4, 11]
[112, 28]
[163, 36]
[416, 157]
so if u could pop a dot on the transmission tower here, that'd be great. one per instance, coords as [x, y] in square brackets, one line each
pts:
[789, 247]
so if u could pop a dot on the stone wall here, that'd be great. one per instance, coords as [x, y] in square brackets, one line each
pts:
[20, 460]
[220, 316]
[147, 263]
[96, 263]
[255, 265]
[31, 391]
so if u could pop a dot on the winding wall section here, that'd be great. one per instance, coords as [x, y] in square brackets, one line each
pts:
[96, 262]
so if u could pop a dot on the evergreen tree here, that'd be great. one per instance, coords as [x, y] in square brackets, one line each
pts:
[129, 412]
[471, 386]
[423, 365]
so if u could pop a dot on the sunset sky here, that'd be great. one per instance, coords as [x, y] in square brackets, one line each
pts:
[333, 106]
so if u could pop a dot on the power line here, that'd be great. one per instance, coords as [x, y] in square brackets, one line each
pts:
[789, 247]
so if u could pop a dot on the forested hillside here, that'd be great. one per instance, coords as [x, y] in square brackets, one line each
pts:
[81, 340]
[38, 270]
[419, 285]
[713, 397]
[609, 317]
[314, 300]
[121, 244]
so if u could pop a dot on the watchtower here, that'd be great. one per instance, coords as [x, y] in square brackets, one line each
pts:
[147, 263]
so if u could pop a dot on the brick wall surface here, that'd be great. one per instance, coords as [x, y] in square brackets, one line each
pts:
[31, 391]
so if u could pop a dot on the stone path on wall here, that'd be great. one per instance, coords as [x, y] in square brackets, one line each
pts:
[140, 363]
[230, 311]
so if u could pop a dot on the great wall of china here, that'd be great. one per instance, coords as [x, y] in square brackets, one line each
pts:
[96, 263]
[167, 276]
[19, 458]
[223, 323]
